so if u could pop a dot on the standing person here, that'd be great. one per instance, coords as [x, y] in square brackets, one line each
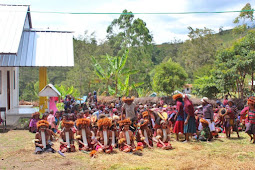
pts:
[51, 119]
[52, 104]
[233, 116]
[250, 126]
[179, 117]
[208, 115]
[189, 116]
[33, 122]
[225, 101]
[129, 109]
[95, 98]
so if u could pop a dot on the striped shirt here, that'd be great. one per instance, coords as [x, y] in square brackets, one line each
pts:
[251, 116]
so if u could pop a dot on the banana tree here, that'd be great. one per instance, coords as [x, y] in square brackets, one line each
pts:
[116, 65]
[103, 75]
[124, 88]
[67, 90]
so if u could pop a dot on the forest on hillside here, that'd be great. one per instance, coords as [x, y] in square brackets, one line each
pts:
[129, 63]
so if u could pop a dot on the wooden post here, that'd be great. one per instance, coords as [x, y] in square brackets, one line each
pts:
[42, 84]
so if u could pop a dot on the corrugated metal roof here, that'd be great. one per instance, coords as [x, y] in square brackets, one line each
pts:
[12, 20]
[43, 48]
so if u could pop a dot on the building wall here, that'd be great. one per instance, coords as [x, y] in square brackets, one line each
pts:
[14, 92]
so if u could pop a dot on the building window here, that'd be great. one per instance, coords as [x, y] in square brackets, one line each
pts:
[0, 82]
[187, 89]
[14, 83]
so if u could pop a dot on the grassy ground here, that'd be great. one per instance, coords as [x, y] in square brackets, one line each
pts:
[17, 152]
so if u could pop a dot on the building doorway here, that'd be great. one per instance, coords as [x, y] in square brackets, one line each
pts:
[8, 91]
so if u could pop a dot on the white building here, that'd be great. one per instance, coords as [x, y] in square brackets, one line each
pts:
[23, 46]
[187, 89]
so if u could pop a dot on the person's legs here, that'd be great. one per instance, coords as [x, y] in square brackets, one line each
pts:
[187, 136]
[237, 132]
[177, 136]
[38, 150]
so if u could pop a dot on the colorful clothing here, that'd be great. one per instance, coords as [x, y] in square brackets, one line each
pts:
[52, 104]
[178, 127]
[191, 126]
[179, 107]
[205, 133]
[51, 120]
[159, 145]
[32, 125]
[251, 116]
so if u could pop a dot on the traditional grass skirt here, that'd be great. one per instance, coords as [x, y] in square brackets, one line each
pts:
[178, 127]
[191, 126]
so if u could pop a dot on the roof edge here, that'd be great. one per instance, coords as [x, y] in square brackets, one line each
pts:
[46, 30]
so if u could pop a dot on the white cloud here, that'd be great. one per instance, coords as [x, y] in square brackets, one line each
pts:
[163, 27]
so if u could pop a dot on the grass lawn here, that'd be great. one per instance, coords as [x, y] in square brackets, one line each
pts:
[17, 152]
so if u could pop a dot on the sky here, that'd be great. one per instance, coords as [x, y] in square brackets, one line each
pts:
[164, 28]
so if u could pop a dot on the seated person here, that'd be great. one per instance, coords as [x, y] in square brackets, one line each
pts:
[104, 135]
[126, 137]
[84, 134]
[67, 137]
[43, 138]
[163, 136]
[205, 132]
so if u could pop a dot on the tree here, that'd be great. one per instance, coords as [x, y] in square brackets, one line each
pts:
[201, 48]
[205, 86]
[236, 63]
[246, 14]
[115, 69]
[67, 91]
[126, 32]
[168, 76]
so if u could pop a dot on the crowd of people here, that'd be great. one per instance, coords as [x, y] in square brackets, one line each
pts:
[97, 127]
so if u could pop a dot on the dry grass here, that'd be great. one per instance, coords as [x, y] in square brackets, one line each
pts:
[16, 152]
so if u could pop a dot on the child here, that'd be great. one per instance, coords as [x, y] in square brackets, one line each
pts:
[115, 130]
[163, 136]
[126, 137]
[84, 134]
[33, 121]
[104, 135]
[205, 132]
[144, 133]
[67, 137]
[51, 120]
[43, 138]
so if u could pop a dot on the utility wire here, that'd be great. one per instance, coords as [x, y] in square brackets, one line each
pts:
[141, 13]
